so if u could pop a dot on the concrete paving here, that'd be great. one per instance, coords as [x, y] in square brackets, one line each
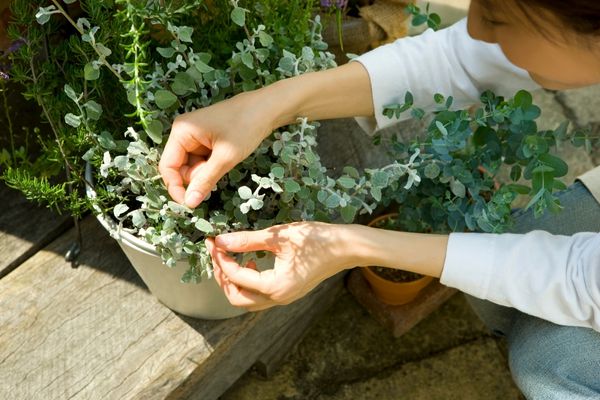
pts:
[346, 351]
[346, 355]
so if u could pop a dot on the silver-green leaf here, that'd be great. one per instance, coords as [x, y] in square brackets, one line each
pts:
[204, 226]
[120, 209]
[238, 16]
[73, 120]
[164, 99]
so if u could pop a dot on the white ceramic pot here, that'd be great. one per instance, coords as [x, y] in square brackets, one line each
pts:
[199, 300]
[202, 300]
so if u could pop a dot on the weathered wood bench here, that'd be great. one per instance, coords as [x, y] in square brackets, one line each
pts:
[95, 332]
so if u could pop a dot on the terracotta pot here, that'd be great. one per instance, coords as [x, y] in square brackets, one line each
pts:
[393, 293]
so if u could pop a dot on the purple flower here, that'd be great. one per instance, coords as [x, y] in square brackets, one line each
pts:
[16, 45]
[334, 3]
[4, 60]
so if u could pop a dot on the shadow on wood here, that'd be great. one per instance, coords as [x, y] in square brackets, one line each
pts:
[96, 332]
[25, 228]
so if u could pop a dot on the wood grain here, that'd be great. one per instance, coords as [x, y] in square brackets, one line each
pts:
[286, 339]
[25, 228]
[95, 332]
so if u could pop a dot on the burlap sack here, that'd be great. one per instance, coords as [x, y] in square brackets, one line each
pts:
[389, 16]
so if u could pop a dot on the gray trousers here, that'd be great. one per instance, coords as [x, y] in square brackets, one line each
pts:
[550, 361]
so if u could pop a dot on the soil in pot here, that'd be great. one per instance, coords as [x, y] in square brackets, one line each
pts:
[393, 286]
[396, 275]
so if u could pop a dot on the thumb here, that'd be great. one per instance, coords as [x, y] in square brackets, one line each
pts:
[241, 242]
[204, 179]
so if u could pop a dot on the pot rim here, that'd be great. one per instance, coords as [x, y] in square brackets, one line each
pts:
[372, 274]
[383, 281]
[114, 229]
[374, 221]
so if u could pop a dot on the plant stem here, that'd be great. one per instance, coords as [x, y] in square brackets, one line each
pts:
[9, 121]
[40, 101]
[338, 15]
[81, 32]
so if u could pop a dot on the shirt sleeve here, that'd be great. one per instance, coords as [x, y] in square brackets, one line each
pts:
[553, 277]
[448, 62]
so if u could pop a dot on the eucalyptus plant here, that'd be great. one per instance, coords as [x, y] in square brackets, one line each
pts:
[465, 156]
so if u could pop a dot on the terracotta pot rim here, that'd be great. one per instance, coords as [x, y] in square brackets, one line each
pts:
[383, 281]
[374, 221]
[417, 282]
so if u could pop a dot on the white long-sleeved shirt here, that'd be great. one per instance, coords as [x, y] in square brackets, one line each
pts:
[553, 277]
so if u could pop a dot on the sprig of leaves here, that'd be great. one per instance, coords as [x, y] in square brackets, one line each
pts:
[463, 153]
[432, 20]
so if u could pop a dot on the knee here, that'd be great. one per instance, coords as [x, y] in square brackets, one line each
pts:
[548, 361]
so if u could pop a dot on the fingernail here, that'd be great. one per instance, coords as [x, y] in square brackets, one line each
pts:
[193, 198]
[224, 240]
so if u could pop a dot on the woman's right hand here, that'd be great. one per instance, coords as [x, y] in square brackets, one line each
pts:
[207, 143]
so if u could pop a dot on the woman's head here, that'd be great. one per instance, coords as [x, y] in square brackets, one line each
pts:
[557, 41]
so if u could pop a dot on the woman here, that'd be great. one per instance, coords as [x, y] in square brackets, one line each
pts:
[544, 289]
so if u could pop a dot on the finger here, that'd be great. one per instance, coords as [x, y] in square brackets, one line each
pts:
[201, 151]
[241, 297]
[174, 156]
[206, 177]
[237, 296]
[220, 277]
[188, 171]
[246, 278]
[174, 183]
[241, 242]
[217, 272]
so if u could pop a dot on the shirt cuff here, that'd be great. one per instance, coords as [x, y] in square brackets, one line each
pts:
[469, 263]
[377, 63]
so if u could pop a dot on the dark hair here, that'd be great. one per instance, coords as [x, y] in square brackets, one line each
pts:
[581, 16]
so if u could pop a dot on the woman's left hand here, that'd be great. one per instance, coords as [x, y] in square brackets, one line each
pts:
[306, 253]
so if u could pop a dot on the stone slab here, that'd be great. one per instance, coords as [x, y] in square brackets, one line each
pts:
[583, 102]
[346, 345]
[474, 371]
[284, 342]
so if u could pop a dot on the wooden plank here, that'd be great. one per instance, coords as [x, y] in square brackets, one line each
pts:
[96, 332]
[398, 319]
[25, 228]
[287, 339]
[227, 364]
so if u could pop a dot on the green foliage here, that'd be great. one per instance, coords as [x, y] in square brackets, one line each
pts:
[461, 155]
[40, 190]
[432, 20]
[111, 91]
